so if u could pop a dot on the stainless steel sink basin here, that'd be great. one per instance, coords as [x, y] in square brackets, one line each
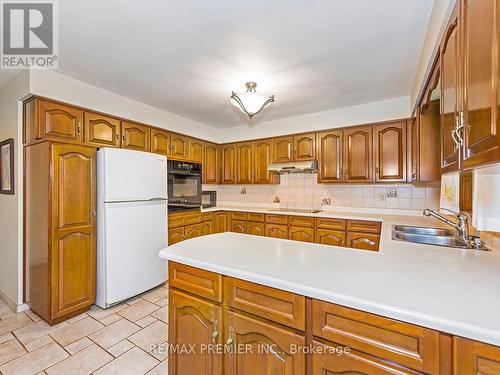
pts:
[423, 230]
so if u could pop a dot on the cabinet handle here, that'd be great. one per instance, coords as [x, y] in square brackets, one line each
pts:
[123, 137]
[215, 334]
[79, 128]
[377, 171]
[453, 135]
[229, 342]
[118, 137]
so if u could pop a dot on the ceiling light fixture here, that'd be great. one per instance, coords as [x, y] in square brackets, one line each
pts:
[250, 102]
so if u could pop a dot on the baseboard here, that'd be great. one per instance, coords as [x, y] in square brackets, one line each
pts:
[12, 304]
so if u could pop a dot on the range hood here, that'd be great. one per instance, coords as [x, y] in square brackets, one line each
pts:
[294, 167]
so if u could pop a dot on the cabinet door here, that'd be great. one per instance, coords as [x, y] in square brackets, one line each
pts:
[475, 358]
[329, 155]
[277, 231]
[175, 235]
[304, 147]
[192, 231]
[261, 160]
[101, 131]
[179, 146]
[196, 149]
[221, 222]
[330, 237]
[244, 167]
[206, 228]
[268, 348]
[135, 136]
[363, 241]
[390, 152]
[301, 234]
[238, 226]
[228, 164]
[449, 97]
[481, 25]
[73, 252]
[282, 149]
[61, 121]
[358, 157]
[256, 229]
[211, 164]
[195, 323]
[160, 141]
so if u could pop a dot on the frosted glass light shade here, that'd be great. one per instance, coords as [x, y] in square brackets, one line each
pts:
[251, 102]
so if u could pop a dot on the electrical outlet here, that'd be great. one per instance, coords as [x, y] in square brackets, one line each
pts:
[392, 193]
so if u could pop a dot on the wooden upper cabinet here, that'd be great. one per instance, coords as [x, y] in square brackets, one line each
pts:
[244, 163]
[390, 152]
[481, 117]
[211, 164]
[61, 121]
[329, 155]
[282, 149]
[179, 146]
[449, 96]
[101, 131]
[228, 164]
[135, 136]
[196, 150]
[261, 160]
[304, 147]
[160, 141]
[475, 358]
[358, 157]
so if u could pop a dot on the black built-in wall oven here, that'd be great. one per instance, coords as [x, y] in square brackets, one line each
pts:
[184, 185]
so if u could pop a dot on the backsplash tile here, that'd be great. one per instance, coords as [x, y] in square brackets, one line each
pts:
[302, 191]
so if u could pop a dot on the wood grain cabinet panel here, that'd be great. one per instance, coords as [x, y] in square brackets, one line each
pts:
[198, 323]
[101, 131]
[160, 141]
[179, 146]
[301, 221]
[196, 150]
[329, 156]
[277, 231]
[175, 235]
[358, 156]
[275, 343]
[244, 163]
[481, 33]
[238, 226]
[364, 226]
[330, 237]
[211, 164]
[475, 358]
[221, 220]
[390, 152]
[277, 219]
[238, 215]
[405, 344]
[202, 283]
[304, 147]
[135, 136]
[301, 234]
[206, 228]
[256, 229]
[192, 231]
[252, 216]
[327, 223]
[282, 149]
[363, 241]
[60, 121]
[261, 160]
[228, 164]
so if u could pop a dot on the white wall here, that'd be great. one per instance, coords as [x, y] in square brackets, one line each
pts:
[440, 15]
[347, 116]
[59, 87]
[11, 205]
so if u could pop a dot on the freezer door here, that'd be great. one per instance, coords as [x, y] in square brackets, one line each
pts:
[131, 236]
[126, 175]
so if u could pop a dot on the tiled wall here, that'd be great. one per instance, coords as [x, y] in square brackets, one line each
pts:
[302, 191]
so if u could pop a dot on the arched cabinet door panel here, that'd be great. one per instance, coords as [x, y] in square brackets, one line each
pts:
[135, 136]
[101, 131]
[390, 152]
[329, 156]
[358, 157]
[61, 121]
[160, 141]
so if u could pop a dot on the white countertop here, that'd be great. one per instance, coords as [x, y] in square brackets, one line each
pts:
[450, 290]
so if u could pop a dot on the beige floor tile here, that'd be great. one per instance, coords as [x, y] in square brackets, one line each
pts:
[144, 322]
[36, 330]
[4, 308]
[76, 331]
[6, 337]
[77, 318]
[15, 322]
[133, 362]
[35, 344]
[138, 310]
[155, 295]
[162, 302]
[120, 348]
[97, 313]
[110, 319]
[78, 345]
[35, 361]
[161, 369]
[7, 315]
[10, 350]
[150, 338]
[161, 314]
[133, 300]
[85, 361]
[114, 333]
[33, 316]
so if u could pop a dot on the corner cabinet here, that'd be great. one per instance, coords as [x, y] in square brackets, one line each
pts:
[60, 239]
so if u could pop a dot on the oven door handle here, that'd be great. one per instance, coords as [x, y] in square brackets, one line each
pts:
[182, 173]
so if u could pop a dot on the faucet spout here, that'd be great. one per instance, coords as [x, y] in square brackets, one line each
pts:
[429, 213]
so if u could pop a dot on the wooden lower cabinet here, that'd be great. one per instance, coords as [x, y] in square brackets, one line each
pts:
[238, 226]
[277, 231]
[221, 222]
[330, 237]
[192, 231]
[475, 358]
[301, 234]
[175, 235]
[363, 241]
[206, 228]
[256, 229]
[268, 347]
[193, 321]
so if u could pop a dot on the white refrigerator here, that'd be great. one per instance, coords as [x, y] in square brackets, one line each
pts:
[131, 223]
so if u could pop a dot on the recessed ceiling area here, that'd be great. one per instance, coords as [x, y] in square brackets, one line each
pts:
[186, 56]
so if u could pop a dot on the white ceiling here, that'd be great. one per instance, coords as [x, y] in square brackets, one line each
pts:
[186, 56]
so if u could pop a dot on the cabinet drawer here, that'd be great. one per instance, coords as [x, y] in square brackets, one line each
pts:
[175, 220]
[336, 224]
[406, 344]
[206, 216]
[194, 280]
[277, 219]
[363, 241]
[192, 218]
[363, 226]
[301, 221]
[239, 216]
[259, 218]
[473, 357]
[269, 303]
